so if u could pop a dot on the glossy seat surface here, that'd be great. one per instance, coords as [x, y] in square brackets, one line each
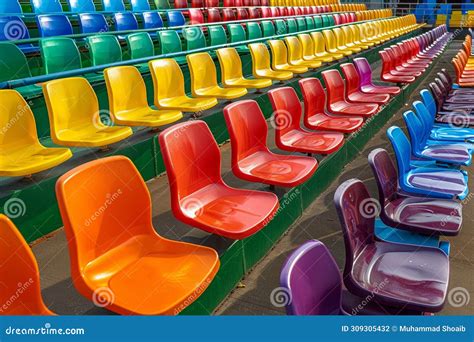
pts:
[295, 54]
[288, 133]
[92, 23]
[123, 242]
[168, 83]
[21, 152]
[366, 84]
[412, 277]
[59, 54]
[251, 158]
[75, 117]
[261, 64]
[104, 49]
[199, 196]
[52, 25]
[280, 58]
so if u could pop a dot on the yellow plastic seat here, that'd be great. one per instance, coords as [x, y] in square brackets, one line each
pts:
[128, 102]
[359, 30]
[204, 78]
[350, 39]
[280, 58]
[74, 115]
[308, 49]
[231, 71]
[261, 64]
[168, 82]
[21, 153]
[331, 44]
[354, 31]
[295, 54]
[320, 48]
[340, 42]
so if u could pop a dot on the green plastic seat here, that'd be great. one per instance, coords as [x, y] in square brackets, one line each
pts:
[217, 35]
[140, 45]
[162, 4]
[292, 27]
[254, 31]
[171, 43]
[268, 28]
[309, 23]
[280, 27]
[104, 49]
[194, 38]
[301, 24]
[59, 54]
[325, 20]
[237, 33]
[13, 63]
[331, 21]
[318, 21]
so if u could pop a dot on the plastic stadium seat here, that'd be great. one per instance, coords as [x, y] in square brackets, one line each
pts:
[104, 49]
[268, 28]
[291, 24]
[175, 18]
[203, 200]
[21, 151]
[13, 28]
[366, 84]
[152, 20]
[169, 41]
[307, 48]
[180, 4]
[125, 21]
[197, 3]
[162, 4]
[51, 25]
[289, 135]
[387, 73]
[195, 17]
[204, 78]
[266, 12]
[353, 92]
[301, 23]
[167, 275]
[46, 6]
[13, 63]
[337, 103]
[251, 158]
[315, 116]
[82, 6]
[261, 64]
[280, 58]
[231, 71]
[211, 3]
[242, 14]
[416, 214]
[320, 49]
[253, 31]
[140, 45]
[237, 33]
[332, 45]
[254, 13]
[426, 181]
[280, 27]
[295, 54]
[12, 6]
[194, 38]
[59, 54]
[217, 35]
[140, 5]
[213, 15]
[20, 272]
[228, 14]
[168, 83]
[369, 261]
[130, 108]
[74, 115]
[113, 5]
[92, 23]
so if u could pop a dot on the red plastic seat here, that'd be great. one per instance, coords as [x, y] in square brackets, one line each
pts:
[238, 3]
[283, 11]
[289, 135]
[275, 11]
[228, 3]
[315, 116]
[213, 15]
[20, 279]
[256, 3]
[291, 11]
[353, 91]
[337, 103]
[197, 3]
[180, 3]
[264, 3]
[254, 13]
[298, 11]
[251, 158]
[228, 14]
[196, 17]
[199, 196]
[242, 14]
[398, 69]
[266, 12]
[211, 3]
[387, 67]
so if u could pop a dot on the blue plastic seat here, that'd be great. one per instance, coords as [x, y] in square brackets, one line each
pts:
[46, 6]
[52, 25]
[11, 6]
[175, 18]
[125, 21]
[140, 5]
[152, 20]
[92, 23]
[429, 181]
[13, 28]
[82, 6]
[421, 148]
[113, 5]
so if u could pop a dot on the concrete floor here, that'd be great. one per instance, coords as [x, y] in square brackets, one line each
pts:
[318, 222]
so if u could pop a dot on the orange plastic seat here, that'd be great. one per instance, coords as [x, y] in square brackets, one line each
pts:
[19, 274]
[251, 158]
[117, 257]
[199, 196]
[289, 135]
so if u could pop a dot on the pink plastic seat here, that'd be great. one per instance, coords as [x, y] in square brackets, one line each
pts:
[353, 91]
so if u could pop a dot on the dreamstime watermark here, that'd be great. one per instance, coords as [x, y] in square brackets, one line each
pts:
[21, 288]
[458, 296]
[21, 110]
[370, 208]
[366, 301]
[192, 207]
[287, 199]
[47, 329]
[15, 30]
[280, 297]
[459, 120]
[103, 297]
[281, 119]
[455, 213]
[109, 200]
[102, 119]
[14, 208]
[193, 296]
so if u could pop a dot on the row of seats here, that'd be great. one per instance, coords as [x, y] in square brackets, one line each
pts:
[463, 64]
[60, 54]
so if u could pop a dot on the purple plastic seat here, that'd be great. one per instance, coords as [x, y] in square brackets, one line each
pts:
[416, 214]
[366, 84]
[412, 277]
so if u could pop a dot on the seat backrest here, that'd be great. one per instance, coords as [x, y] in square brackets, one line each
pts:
[46, 6]
[140, 5]
[260, 57]
[213, 15]
[295, 50]
[247, 129]
[104, 49]
[11, 6]
[426, 119]
[330, 40]
[168, 79]
[301, 23]
[125, 21]
[113, 5]
[140, 45]
[92, 23]
[197, 3]
[92, 199]
[217, 35]
[13, 28]
[152, 20]
[52, 25]
[194, 38]
[438, 94]
[415, 130]
[242, 14]
[237, 33]
[314, 97]
[402, 148]
[429, 102]
[195, 16]
[192, 160]
[334, 86]
[181, 4]
[211, 3]
[19, 272]
[175, 18]
[312, 279]
[385, 174]
[387, 62]
[162, 4]
[13, 63]
[280, 27]
[82, 6]
[286, 110]
[292, 27]
[230, 63]
[318, 21]
[228, 14]
[363, 69]
[59, 54]
[268, 28]
[309, 23]
[307, 44]
[254, 13]
[203, 71]
[169, 41]
[254, 31]
[351, 76]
